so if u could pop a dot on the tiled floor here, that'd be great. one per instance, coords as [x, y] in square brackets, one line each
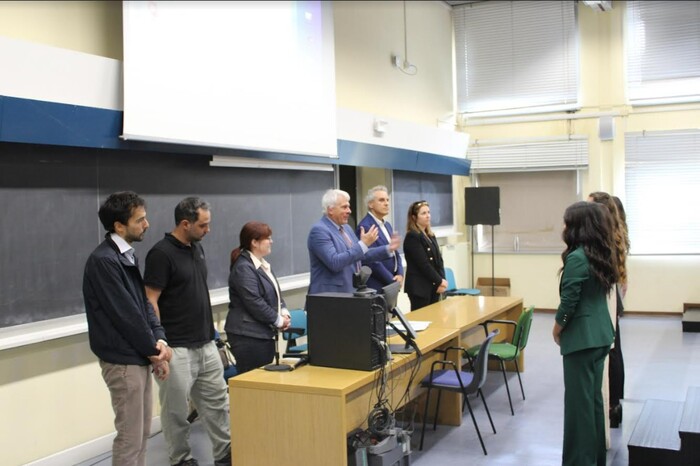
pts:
[661, 362]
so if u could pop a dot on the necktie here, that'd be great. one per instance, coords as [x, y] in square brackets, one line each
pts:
[129, 253]
[348, 241]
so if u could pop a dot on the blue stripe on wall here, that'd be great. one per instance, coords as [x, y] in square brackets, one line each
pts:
[41, 122]
[371, 155]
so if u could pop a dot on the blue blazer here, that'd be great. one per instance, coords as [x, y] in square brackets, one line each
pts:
[383, 270]
[252, 309]
[332, 262]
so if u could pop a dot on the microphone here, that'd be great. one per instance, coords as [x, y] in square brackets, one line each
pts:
[277, 367]
[359, 281]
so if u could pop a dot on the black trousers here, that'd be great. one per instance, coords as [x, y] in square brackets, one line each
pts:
[418, 302]
[251, 353]
[616, 371]
[616, 364]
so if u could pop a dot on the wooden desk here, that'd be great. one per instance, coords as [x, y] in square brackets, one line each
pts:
[304, 416]
[467, 312]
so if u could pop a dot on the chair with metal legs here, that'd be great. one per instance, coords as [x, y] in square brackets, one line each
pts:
[454, 379]
[508, 351]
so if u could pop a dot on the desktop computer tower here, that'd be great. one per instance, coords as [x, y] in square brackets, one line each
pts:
[344, 330]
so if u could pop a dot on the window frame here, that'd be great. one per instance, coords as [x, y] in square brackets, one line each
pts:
[659, 222]
[506, 38]
[539, 159]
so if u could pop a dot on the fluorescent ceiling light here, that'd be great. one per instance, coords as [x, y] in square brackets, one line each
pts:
[249, 162]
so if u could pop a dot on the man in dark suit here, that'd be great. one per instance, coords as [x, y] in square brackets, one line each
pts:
[335, 254]
[387, 270]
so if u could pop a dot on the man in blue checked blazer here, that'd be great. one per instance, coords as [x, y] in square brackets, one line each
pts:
[387, 270]
[335, 254]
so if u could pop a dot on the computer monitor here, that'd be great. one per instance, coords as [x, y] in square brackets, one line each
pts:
[391, 296]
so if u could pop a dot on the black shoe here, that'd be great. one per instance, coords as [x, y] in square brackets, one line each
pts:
[188, 462]
[615, 416]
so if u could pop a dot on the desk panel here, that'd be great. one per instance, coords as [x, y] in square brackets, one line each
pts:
[304, 416]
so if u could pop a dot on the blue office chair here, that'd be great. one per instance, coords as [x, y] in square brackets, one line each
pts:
[297, 329]
[452, 289]
[225, 351]
[456, 380]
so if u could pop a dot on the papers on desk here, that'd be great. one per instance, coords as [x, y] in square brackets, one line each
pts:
[418, 326]
[292, 362]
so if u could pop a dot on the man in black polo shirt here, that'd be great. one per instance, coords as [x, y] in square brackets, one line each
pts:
[176, 285]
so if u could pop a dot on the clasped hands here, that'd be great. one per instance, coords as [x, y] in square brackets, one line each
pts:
[286, 322]
[161, 368]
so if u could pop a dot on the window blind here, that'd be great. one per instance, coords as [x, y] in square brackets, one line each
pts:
[516, 57]
[662, 170]
[662, 41]
[566, 154]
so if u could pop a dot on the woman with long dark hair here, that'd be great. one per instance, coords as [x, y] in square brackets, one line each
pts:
[616, 364]
[256, 310]
[584, 330]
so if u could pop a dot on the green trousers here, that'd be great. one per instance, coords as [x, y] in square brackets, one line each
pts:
[584, 416]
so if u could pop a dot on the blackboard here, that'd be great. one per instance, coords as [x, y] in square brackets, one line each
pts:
[49, 197]
[409, 187]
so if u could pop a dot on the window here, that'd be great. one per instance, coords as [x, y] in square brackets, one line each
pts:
[662, 169]
[409, 187]
[532, 211]
[516, 57]
[538, 180]
[662, 41]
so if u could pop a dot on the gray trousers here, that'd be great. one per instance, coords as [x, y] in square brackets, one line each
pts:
[196, 374]
[130, 387]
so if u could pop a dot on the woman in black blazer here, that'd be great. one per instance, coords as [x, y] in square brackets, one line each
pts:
[256, 310]
[425, 273]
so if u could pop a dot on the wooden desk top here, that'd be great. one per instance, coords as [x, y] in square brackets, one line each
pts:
[448, 319]
[464, 312]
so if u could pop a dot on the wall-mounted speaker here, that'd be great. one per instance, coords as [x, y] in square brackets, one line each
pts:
[482, 206]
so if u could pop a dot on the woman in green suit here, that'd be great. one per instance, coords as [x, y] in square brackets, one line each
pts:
[583, 329]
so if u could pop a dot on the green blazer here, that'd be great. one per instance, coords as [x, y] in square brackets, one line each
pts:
[583, 309]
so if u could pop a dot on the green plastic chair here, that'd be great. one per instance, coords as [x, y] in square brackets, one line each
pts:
[508, 351]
